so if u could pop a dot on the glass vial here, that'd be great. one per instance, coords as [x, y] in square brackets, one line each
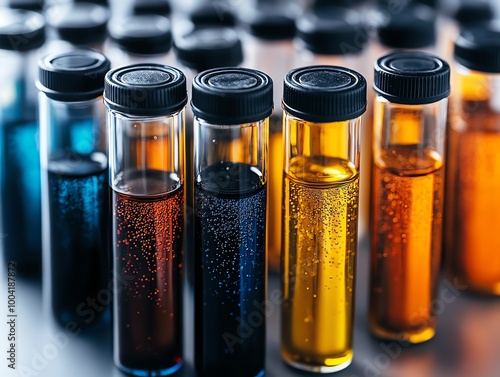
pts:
[473, 173]
[269, 48]
[22, 33]
[74, 175]
[139, 39]
[231, 108]
[407, 194]
[322, 119]
[146, 148]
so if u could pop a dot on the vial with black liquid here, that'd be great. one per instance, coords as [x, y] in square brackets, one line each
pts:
[231, 108]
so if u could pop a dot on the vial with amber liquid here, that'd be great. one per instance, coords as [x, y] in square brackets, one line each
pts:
[407, 194]
[145, 119]
[322, 119]
[473, 174]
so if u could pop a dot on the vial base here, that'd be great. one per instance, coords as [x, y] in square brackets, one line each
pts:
[330, 365]
[150, 373]
[407, 336]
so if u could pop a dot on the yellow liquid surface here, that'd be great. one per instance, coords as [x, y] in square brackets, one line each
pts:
[473, 208]
[319, 259]
[406, 241]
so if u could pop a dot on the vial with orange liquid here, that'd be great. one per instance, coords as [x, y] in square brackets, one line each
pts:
[473, 174]
[407, 194]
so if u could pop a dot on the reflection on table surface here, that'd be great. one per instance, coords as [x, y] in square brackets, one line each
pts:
[466, 344]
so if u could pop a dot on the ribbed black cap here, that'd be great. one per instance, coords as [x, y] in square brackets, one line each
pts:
[209, 47]
[324, 93]
[473, 11]
[412, 28]
[146, 89]
[158, 7]
[34, 5]
[79, 23]
[270, 25]
[412, 78]
[336, 32]
[228, 96]
[144, 34]
[478, 48]
[213, 13]
[21, 30]
[73, 76]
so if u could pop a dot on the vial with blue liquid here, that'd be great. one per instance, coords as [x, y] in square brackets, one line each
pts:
[74, 182]
[22, 33]
[231, 107]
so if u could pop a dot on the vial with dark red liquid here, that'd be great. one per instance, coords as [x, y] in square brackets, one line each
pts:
[231, 130]
[146, 146]
[74, 182]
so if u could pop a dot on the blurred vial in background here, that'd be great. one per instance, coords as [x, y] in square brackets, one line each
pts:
[157, 7]
[339, 36]
[139, 39]
[332, 36]
[104, 3]
[203, 48]
[208, 47]
[22, 33]
[219, 13]
[473, 173]
[82, 25]
[457, 15]
[406, 28]
[269, 47]
[33, 5]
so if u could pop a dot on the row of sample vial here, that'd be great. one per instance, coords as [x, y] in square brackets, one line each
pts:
[409, 143]
[274, 43]
[321, 165]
